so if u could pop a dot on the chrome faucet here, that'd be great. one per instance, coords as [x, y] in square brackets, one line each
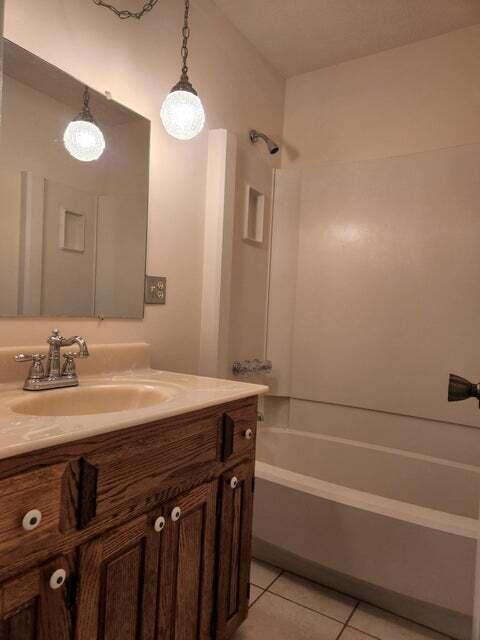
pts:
[54, 375]
[251, 367]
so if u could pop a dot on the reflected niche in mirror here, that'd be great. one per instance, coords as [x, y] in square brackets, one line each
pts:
[73, 224]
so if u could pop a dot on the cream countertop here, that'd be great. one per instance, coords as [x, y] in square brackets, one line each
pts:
[184, 393]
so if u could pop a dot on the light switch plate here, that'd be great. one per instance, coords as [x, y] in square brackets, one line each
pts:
[155, 290]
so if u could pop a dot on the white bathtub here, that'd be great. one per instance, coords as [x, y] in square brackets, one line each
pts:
[399, 528]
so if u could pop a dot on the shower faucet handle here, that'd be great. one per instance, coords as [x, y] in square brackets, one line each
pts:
[251, 367]
[462, 389]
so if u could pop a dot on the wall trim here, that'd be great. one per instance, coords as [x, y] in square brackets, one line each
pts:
[218, 253]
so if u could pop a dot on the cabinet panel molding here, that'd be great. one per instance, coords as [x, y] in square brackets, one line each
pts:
[187, 567]
[234, 549]
[118, 574]
[31, 609]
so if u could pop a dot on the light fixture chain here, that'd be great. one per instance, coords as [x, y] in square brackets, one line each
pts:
[186, 36]
[123, 14]
[86, 98]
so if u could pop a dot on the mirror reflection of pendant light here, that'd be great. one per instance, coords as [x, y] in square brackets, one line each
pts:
[182, 112]
[83, 139]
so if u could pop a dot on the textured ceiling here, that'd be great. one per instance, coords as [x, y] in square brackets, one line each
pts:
[297, 36]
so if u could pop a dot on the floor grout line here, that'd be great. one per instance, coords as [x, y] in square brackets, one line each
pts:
[343, 593]
[264, 591]
[324, 586]
[283, 572]
[269, 585]
[347, 620]
[404, 618]
[364, 633]
[275, 579]
[302, 606]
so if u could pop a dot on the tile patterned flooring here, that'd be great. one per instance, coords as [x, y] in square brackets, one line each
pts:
[287, 607]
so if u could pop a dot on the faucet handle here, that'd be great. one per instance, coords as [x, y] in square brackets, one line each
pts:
[36, 370]
[30, 357]
[69, 368]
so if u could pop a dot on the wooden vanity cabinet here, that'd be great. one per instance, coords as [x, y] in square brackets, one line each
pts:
[234, 551]
[163, 555]
[117, 583]
[187, 566]
[35, 605]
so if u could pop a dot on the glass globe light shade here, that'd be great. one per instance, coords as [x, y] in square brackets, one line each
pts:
[84, 140]
[182, 114]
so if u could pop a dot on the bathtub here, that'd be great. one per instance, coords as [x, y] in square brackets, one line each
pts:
[395, 528]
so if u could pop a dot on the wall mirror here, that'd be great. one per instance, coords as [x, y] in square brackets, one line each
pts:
[72, 233]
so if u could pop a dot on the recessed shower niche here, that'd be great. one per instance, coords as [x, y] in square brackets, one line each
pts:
[254, 215]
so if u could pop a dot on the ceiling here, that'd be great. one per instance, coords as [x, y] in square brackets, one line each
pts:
[297, 36]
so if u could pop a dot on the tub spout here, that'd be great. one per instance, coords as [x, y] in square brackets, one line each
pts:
[462, 389]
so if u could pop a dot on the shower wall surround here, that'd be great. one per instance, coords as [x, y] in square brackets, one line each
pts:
[420, 97]
[377, 210]
[373, 301]
[137, 63]
[388, 264]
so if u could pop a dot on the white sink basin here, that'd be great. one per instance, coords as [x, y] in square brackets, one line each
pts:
[91, 400]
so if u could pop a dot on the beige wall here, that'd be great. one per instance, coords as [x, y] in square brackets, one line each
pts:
[138, 63]
[10, 196]
[2, 13]
[385, 149]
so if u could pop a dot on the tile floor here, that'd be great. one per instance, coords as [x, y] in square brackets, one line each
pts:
[286, 607]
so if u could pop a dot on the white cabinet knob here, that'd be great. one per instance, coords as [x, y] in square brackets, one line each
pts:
[31, 520]
[159, 524]
[57, 579]
[248, 434]
[234, 482]
[176, 513]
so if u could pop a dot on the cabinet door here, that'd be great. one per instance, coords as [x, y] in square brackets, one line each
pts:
[235, 548]
[187, 566]
[35, 605]
[118, 574]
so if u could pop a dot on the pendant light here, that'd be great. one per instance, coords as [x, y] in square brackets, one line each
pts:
[182, 112]
[83, 139]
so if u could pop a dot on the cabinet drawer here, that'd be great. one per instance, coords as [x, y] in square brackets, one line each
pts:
[32, 508]
[168, 456]
[240, 430]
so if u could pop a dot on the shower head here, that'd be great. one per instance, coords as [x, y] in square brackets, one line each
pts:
[255, 136]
